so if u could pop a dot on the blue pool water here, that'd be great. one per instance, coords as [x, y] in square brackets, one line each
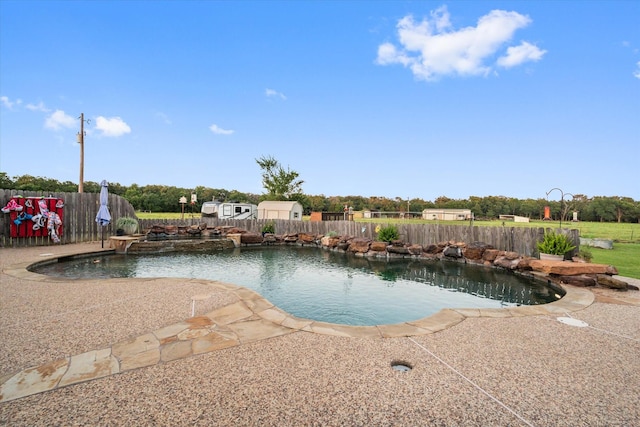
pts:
[329, 286]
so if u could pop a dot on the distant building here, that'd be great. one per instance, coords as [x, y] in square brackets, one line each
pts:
[514, 218]
[280, 210]
[447, 214]
[327, 216]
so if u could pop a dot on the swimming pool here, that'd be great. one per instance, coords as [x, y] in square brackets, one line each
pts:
[328, 286]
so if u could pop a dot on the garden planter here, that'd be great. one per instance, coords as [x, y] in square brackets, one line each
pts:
[550, 257]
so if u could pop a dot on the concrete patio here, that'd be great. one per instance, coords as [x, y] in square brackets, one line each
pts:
[196, 352]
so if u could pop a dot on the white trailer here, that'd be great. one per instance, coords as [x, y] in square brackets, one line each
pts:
[229, 210]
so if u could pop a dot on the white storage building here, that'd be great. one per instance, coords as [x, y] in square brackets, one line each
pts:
[447, 214]
[280, 210]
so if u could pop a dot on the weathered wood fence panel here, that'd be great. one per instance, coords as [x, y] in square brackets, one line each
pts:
[80, 210]
[517, 239]
[78, 221]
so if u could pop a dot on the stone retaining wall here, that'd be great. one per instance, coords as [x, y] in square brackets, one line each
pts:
[575, 272]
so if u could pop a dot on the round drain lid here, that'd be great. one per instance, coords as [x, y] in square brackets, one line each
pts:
[572, 322]
[401, 366]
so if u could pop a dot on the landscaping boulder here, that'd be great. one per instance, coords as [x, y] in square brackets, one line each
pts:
[401, 250]
[475, 250]
[511, 255]
[525, 263]
[376, 254]
[607, 281]
[582, 280]
[378, 246]
[306, 238]
[490, 254]
[330, 241]
[269, 239]
[432, 249]
[251, 238]
[359, 245]
[194, 230]
[452, 251]
[415, 249]
[568, 268]
[505, 262]
[343, 245]
[156, 229]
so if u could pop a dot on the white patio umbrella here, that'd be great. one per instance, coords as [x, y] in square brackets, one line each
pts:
[103, 218]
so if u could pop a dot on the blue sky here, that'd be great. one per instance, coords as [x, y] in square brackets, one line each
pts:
[409, 99]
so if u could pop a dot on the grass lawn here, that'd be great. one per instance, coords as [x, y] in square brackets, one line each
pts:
[624, 256]
[167, 215]
[624, 233]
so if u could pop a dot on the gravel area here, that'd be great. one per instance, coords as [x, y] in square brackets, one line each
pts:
[44, 321]
[483, 371]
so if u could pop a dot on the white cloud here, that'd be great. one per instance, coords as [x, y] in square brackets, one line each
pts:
[433, 48]
[636, 73]
[162, 116]
[6, 102]
[388, 54]
[37, 107]
[112, 126]
[441, 18]
[219, 131]
[517, 55]
[273, 93]
[9, 103]
[59, 120]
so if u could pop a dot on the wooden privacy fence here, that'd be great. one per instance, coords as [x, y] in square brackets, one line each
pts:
[78, 221]
[80, 211]
[517, 239]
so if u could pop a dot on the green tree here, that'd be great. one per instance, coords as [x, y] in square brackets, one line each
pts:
[5, 182]
[318, 203]
[134, 195]
[603, 209]
[625, 207]
[280, 184]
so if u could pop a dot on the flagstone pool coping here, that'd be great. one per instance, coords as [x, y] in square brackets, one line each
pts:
[253, 318]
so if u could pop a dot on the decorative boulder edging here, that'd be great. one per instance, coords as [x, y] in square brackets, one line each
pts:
[558, 272]
[159, 246]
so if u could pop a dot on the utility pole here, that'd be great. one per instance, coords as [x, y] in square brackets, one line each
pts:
[81, 141]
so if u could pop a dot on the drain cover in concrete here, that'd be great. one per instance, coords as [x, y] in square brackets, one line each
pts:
[572, 322]
[401, 366]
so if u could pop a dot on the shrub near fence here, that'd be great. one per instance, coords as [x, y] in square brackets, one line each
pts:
[78, 221]
[516, 239]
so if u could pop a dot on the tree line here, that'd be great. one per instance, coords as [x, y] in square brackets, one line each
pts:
[163, 198]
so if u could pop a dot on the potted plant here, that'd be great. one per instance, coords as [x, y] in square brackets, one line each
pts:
[127, 224]
[554, 246]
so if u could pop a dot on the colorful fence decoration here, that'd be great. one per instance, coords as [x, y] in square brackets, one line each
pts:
[77, 217]
[35, 217]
